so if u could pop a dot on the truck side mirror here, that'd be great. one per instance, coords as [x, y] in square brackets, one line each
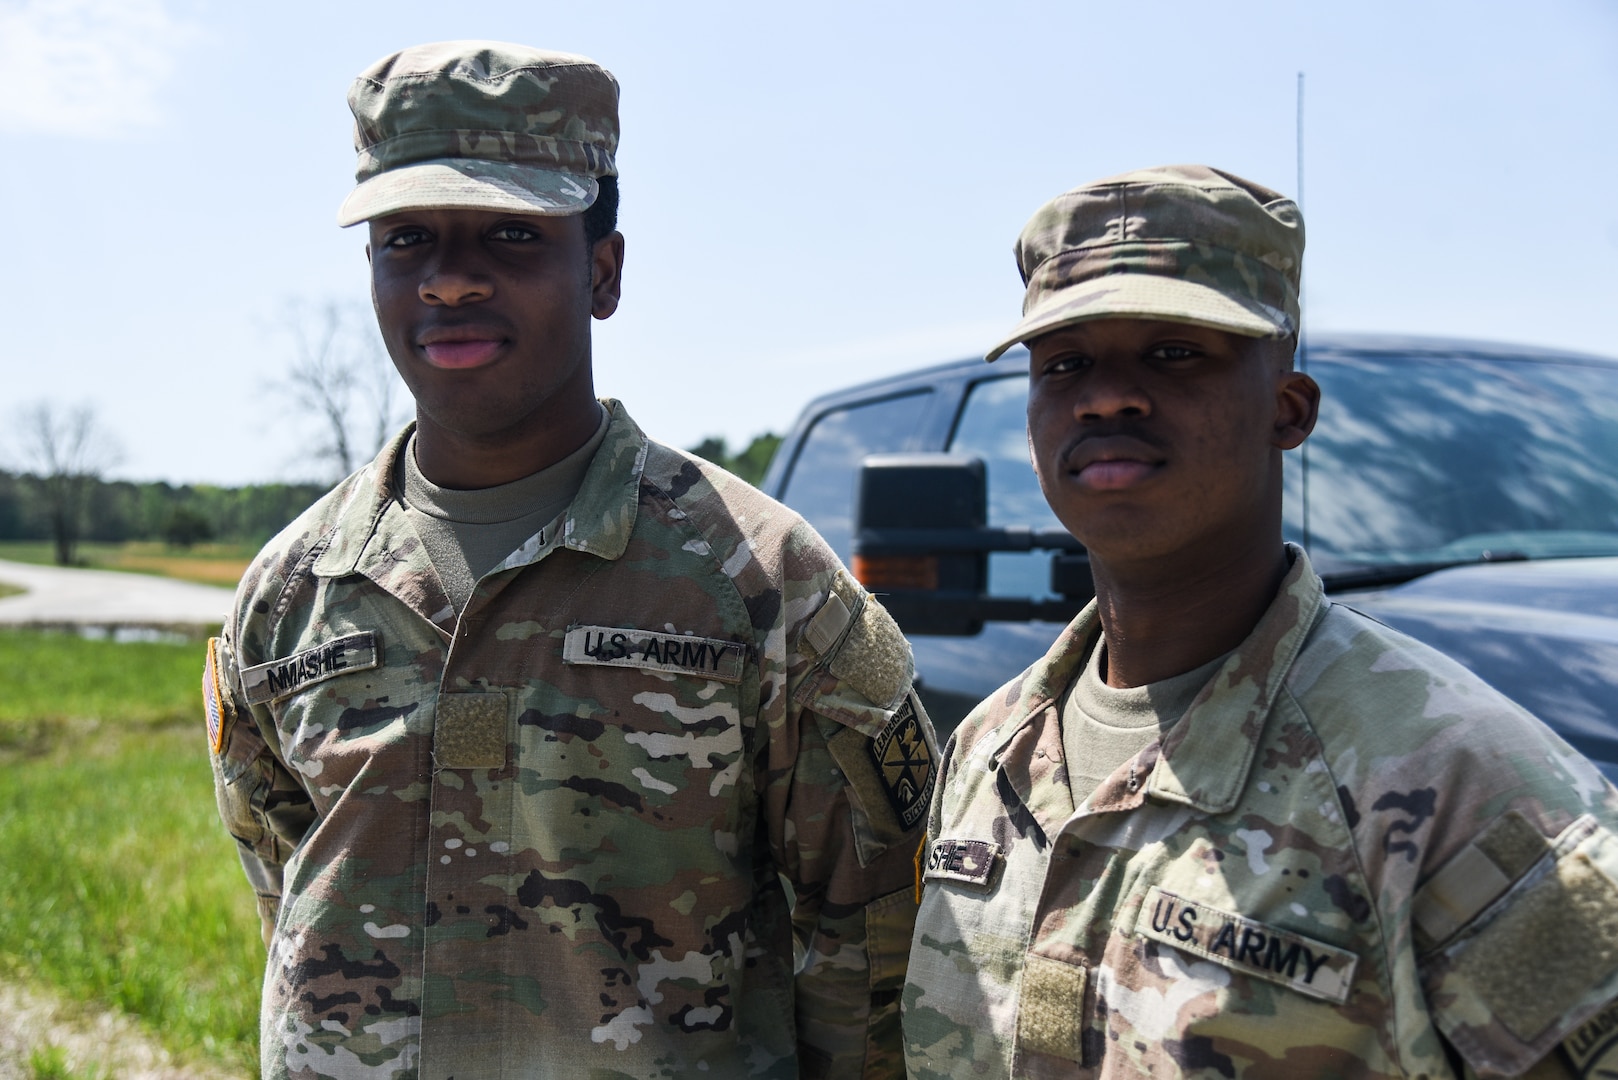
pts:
[907, 507]
[922, 543]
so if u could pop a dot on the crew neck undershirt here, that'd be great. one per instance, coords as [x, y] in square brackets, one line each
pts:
[1104, 726]
[468, 533]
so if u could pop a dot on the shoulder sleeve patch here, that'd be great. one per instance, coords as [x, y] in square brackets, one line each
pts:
[891, 777]
[905, 762]
[1592, 1049]
[1536, 964]
[216, 705]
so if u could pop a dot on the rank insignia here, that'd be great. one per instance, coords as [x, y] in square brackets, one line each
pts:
[904, 762]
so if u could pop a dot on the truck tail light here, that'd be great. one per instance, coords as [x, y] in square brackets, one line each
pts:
[883, 572]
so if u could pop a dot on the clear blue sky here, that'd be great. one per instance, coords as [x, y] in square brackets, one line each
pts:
[813, 193]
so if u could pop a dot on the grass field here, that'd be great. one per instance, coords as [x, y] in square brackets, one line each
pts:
[120, 888]
[57, 685]
[210, 564]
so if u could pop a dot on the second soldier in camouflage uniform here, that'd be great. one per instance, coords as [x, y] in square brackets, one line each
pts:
[1227, 827]
[566, 811]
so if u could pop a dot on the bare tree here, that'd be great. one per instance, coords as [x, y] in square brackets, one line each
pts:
[341, 380]
[65, 451]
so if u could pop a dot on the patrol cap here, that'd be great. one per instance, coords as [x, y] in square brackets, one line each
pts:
[1181, 243]
[481, 125]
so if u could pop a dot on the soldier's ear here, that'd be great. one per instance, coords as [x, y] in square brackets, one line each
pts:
[1297, 407]
[367, 253]
[606, 275]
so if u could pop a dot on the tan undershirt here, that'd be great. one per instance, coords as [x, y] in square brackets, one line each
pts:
[469, 533]
[1104, 726]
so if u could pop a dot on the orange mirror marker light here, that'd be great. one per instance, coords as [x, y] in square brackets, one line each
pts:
[897, 571]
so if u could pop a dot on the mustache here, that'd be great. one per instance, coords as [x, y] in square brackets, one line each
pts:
[462, 329]
[1116, 432]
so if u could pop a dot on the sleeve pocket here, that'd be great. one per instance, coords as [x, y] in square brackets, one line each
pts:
[1521, 974]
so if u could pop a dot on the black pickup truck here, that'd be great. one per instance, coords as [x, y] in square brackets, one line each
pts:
[1463, 492]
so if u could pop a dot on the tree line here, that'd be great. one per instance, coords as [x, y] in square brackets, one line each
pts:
[181, 515]
[339, 387]
[75, 505]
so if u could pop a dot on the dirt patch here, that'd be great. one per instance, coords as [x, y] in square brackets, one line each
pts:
[72, 1041]
[205, 571]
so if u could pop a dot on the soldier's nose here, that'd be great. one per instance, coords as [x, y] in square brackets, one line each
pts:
[452, 288]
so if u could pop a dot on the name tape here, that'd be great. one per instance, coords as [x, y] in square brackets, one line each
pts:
[618, 646]
[279, 678]
[971, 862]
[1292, 960]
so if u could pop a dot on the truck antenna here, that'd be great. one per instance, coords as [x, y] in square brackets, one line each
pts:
[1303, 341]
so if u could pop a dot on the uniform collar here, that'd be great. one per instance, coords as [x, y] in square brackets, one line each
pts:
[371, 491]
[1205, 758]
[602, 517]
[368, 539]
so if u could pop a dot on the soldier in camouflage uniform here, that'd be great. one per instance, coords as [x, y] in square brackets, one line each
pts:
[1325, 850]
[574, 821]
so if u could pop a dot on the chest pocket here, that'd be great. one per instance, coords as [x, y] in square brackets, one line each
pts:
[341, 709]
[1212, 951]
[647, 723]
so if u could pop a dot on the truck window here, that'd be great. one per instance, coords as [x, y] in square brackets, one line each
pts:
[821, 484]
[994, 426]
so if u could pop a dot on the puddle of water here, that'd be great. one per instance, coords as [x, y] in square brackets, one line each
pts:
[124, 634]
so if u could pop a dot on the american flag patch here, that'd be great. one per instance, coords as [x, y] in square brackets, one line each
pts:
[211, 705]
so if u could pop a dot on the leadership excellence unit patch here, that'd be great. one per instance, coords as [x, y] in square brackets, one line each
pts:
[904, 763]
[1592, 1049]
[214, 706]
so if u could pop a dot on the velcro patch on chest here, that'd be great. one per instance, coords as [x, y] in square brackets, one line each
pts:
[1303, 964]
[619, 646]
[970, 862]
[904, 763]
[279, 678]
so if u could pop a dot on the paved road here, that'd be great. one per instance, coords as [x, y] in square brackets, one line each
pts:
[58, 595]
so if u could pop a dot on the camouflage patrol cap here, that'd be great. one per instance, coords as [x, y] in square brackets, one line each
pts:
[481, 125]
[1181, 243]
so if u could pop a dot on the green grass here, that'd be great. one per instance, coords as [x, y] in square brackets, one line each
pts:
[120, 887]
[51, 1063]
[54, 684]
[10, 590]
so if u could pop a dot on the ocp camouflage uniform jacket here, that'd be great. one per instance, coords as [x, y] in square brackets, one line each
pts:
[549, 838]
[1350, 858]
